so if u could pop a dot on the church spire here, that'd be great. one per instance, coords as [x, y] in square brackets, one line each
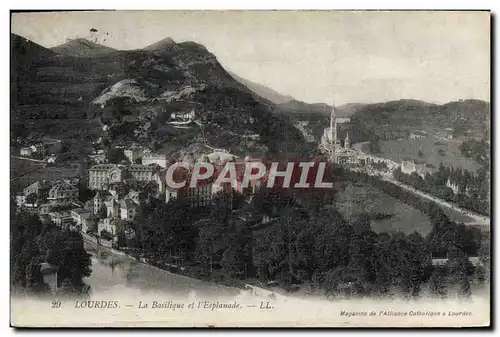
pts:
[333, 125]
[333, 116]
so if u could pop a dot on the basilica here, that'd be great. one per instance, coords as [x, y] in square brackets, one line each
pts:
[331, 144]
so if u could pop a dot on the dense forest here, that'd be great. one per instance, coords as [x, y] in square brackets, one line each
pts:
[33, 243]
[290, 238]
[305, 241]
[473, 189]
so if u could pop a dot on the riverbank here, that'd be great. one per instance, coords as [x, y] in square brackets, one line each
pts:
[180, 273]
[140, 272]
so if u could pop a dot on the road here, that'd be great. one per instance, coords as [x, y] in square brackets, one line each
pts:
[478, 219]
[30, 159]
[30, 171]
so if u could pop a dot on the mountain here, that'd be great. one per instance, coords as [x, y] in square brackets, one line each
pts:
[316, 115]
[135, 93]
[82, 48]
[464, 117]
[349, 109]
[263, 91]
[299, 108]
[161, 45]
[23, 54]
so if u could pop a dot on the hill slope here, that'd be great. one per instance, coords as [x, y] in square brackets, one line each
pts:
[464, 116]
[82, 48]
[135, 93]
[263, 91]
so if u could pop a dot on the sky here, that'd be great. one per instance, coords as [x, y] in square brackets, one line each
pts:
[314, 56]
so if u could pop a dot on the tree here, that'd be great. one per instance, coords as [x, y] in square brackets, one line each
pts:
[485, 256]
[237, 258]
[65, 249]
[106, 235]
[347, 281]
[460, 267]
[211, 243]
[34, 243]
[437, 285]
[464, 289]
[115, 155]
[374, 145]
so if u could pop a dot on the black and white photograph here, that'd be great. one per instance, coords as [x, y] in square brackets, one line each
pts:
[244, 168]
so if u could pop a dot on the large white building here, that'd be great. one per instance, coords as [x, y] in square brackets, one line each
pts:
[152, 158]
[102, 175]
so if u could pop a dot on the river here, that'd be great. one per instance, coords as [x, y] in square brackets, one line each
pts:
[113, 273]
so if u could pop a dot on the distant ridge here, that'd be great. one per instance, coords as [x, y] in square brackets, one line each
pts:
[27, 49]
[82, 48]
[263, 91]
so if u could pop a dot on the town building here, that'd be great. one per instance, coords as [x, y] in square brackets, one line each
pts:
[103, 175]
[44, 209]
[52, 159]
[98, 158]
[83, 219]
[408, 166]
[99, 199]
[183, 115]
[422, 169]
[128, 209]
[454, 186]
[99, 176]
[112, 208]
[63, 219]
[142, 172]
[108, 224]
[26, 152]
[343, 120]
[63, 193]
[40, 189]
[416, 135]
[133, 153]
[38, 149]
[152, 158]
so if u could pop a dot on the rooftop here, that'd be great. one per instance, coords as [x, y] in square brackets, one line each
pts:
[60, 214]
[102, 167]
[79, 211]
[38, 185]
[145, 168]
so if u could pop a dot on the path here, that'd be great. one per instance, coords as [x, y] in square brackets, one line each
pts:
[478, 218]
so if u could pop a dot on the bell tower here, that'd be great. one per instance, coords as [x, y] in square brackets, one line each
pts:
[347, 142]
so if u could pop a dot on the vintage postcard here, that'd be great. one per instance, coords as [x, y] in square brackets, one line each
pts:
[250, 169]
